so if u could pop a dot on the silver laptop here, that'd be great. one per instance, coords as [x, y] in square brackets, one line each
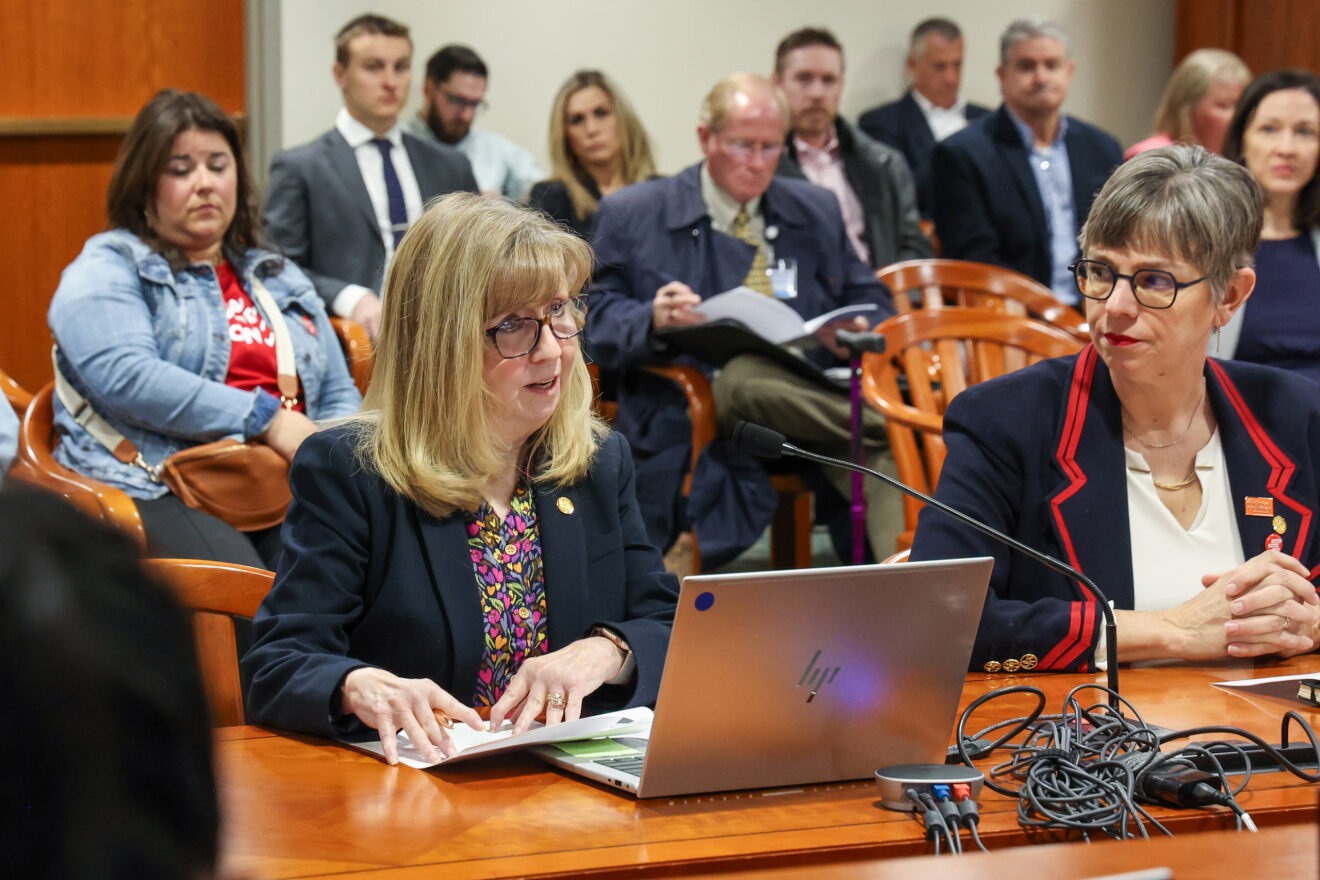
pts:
[800, 677]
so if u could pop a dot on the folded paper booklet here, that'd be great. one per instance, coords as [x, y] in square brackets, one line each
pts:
[477, 743]
[742, 321]
[771, 319]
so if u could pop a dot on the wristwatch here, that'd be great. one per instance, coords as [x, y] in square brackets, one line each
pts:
[629, 661]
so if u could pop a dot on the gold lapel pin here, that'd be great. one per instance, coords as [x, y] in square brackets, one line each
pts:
[565, 506]
[1280, 525]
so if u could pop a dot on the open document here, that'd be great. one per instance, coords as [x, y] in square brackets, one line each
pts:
[771, 319]
[476, 743]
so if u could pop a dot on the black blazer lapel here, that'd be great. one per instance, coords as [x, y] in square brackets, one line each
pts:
[1013, 154]
[921, 140]
[449, 563]
[345, 167]
[564, 563]
[1088, 509]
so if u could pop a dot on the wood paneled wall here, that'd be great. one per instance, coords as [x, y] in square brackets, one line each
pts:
[1266, 34]
[75, 72]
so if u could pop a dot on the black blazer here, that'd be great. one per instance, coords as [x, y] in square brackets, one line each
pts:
[369, 579]
[903, 126]
[319, 213]
[987, 206]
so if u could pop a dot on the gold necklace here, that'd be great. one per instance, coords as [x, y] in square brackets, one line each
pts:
[1174, 487]
[1175, 441]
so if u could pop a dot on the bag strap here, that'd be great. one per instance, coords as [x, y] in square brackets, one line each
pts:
[120, 446]
[124, 449]
[285, 368]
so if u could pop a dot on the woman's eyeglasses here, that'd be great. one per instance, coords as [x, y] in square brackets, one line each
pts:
[516, 337]
[1153, 288]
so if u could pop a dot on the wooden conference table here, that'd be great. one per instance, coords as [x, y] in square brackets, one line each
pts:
[302, 807]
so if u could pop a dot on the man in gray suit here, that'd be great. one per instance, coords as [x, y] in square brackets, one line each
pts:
[871, 180]
[339, 205]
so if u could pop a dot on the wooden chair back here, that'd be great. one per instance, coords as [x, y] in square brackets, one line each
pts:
[358, 350]
[18, 396]
[930, 357]
[938, 284]
[216, 593]
[36, 464]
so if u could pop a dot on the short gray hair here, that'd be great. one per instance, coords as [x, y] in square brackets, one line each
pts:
[1029, 29]
[944, 28]
[1182, 202]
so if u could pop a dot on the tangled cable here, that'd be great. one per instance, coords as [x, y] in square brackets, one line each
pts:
[1093, 770]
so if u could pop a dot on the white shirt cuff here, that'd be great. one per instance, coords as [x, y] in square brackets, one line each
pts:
[348, 298]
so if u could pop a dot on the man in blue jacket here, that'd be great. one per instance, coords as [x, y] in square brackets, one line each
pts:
[662, 246]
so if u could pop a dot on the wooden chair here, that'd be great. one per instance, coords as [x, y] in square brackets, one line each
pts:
[216, 593]
[790, 528]
[938, 353]
[36, 465]
[358, 350]
[18, 396]
[938, 284]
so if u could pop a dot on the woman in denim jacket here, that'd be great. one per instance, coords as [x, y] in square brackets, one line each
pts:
[156, 326]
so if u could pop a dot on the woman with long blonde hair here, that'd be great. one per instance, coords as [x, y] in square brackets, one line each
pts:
[472, 539]
[597, 145]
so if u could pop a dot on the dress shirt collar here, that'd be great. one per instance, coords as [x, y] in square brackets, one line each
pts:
[819, 155]
[721, 206]
[1029, 137]
[358, 134]
[928, 107]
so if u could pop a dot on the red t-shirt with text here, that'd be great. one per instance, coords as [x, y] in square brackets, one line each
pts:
[253, 362]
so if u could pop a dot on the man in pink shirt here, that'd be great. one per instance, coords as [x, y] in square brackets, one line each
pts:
[871, 180]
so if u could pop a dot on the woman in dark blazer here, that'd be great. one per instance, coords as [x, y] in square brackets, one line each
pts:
[597, 145]
[473, 538]
[1184, 486]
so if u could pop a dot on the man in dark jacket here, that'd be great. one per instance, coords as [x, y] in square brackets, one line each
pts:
[1014, 187]
[871, 180]
[932, 109]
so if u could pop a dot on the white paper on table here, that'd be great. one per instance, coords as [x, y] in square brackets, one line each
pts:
[475, 743]
[1283, 687]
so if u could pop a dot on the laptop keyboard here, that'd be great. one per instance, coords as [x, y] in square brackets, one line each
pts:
[624, 763]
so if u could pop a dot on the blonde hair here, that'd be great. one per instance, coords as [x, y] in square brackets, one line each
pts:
[427, 426]
[1189, 84]
[634, 146]
[715, 108]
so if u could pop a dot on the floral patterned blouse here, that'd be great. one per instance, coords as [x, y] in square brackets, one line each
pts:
[506, 556]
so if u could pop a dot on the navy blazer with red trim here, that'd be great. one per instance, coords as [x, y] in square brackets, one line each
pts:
[1038, 454]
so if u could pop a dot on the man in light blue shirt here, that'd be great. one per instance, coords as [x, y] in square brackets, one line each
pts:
[454, 93]
[1013, 187]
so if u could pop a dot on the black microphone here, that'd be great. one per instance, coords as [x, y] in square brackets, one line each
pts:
[765, 443]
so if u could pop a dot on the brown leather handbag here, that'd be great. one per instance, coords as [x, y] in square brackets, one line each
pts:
[244, 484]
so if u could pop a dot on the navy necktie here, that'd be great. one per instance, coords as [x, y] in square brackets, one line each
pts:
[394, 192]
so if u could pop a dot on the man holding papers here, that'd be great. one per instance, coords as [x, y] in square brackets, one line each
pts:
[664, 245]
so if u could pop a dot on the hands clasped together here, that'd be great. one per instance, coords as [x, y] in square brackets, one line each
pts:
[1267, 605]
[556, 682]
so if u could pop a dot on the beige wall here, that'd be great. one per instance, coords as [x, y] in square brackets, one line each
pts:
[667, 53]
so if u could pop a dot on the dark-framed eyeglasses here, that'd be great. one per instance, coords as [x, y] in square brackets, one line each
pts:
[516, 337]
[1153, 288]
[458, 102]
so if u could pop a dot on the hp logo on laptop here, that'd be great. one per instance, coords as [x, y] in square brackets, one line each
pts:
[816, 677]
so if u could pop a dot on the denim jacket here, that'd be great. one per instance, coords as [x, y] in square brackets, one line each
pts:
[149, 349]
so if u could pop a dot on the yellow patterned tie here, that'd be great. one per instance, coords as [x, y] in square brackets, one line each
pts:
[756, 278]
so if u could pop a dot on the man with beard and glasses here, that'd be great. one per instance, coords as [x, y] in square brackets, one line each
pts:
[454, 94]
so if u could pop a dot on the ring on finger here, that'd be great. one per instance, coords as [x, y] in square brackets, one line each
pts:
[1285, 623]
[556, 700]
